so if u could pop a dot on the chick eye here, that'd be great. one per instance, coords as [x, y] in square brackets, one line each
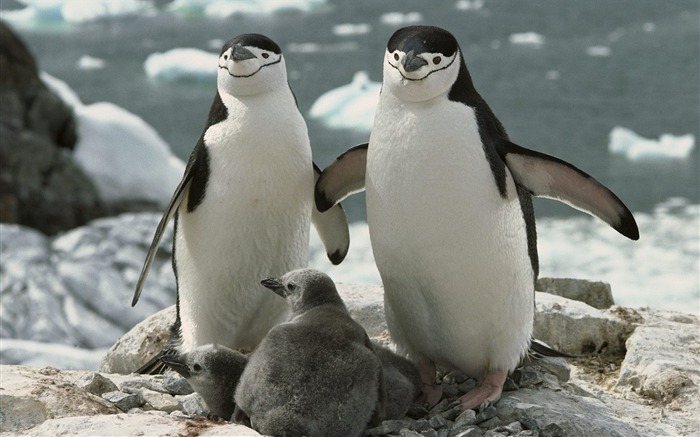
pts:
[437, 60]
[197, 367]
[396, 56]
[291, 286]
[265, 55]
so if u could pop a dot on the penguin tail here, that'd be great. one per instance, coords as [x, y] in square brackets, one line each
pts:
[539, 349]
[155, 366]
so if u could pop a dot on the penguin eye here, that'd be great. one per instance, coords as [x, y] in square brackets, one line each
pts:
[197, 368]
[396, 56]
[226, 57]
[265, 55]
[437, 60]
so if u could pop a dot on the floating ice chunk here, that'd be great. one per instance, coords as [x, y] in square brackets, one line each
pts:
[227, 8]
[123, 155]
[350, 106]
[400, 19]
[90, 63]
[469, 5]
[182, 63]
[75, 11]
[38, 354]
[527, 38]
[552, 75]
[314, 47]
[649, 26]
[627, 143]
[348, 29]
[598, 51]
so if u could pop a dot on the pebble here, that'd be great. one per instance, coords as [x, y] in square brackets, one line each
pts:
[124, 401]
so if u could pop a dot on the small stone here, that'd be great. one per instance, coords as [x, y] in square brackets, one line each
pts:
[96, 384]
[429, 433]
[493, 433]
[135, 410]
[450, 390]
[416, 411]
[421, 425]
[511, 428]
[528, 423]
[124, 401]
[161, 401]
[437, 422]
[490, 423]
[405, 432]
[472, 431]
[444, 432]
[193, 404]
[487, 413]
[454, 378]
[527, 377]
[176, 384]
[510, 385]
[441, 406]
[552, 430]
[467, 417]
[388, 427]
[467, 385]
[452, 413]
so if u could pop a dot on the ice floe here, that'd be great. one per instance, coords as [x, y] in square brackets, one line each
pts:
[350, 106]
[627, 143]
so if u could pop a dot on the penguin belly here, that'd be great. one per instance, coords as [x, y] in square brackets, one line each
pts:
[253, 223]
[452, 253]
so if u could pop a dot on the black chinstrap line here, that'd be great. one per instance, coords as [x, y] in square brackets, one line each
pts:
[251, 74]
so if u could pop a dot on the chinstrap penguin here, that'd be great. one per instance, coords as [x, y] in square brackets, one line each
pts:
[316, 374]
[450, 215]
[252, 161]
[213, 371]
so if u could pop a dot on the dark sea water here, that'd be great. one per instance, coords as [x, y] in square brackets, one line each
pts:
[649, 82]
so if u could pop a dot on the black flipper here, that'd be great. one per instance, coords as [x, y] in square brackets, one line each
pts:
[344, 176]
[546, 176]
[332, 227]
[538, 349]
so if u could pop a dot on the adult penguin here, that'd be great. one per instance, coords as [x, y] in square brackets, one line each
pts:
[450, 215]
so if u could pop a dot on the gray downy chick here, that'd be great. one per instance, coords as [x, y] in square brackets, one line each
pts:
[213, 371]
[402, 382]
[315, 375]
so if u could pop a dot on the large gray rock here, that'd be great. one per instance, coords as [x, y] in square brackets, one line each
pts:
[76, 289]
[576, 328]
[594, 293]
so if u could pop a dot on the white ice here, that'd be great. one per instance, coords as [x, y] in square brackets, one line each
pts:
[87, 62]
[527, 38]
[227, 8]
[350, 106]
[74, 11]
[598, 51]
[469, 5]
[38, 354]
[349, 29]
[182, 64]
[400, 18]
[124, 155]
[627, 143]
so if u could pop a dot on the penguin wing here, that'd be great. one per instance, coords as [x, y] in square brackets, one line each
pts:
[175, 201]
[332, 227]
[345, 176]
[546, 176]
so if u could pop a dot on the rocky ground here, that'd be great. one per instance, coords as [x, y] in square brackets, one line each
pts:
[639, 377]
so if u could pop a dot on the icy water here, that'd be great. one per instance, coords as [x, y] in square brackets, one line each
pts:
[597, 65]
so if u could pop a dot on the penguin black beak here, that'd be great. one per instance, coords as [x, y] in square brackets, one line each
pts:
[240, 53]
[411, 62]
[176, 363]
[275, 285]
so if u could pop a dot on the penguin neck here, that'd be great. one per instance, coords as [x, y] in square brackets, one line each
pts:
[463, 90]
[319, 299]
[280, 96]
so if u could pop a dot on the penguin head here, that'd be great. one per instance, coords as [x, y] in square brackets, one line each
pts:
[421, 63]
[209, 369]
[304, 289]
[251, 64]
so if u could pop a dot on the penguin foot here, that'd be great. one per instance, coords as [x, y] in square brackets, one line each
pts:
[488, 391]
[431, 393]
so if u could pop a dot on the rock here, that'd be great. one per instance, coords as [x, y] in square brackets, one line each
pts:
[95, 383]
[662, 362]
[124, 401]
[29, 396]
[594, 293]
[76, 289]
[577, 328]
[161, 401]
[134, 425]
[575, 415]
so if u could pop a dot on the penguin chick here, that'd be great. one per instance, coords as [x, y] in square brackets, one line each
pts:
[213, 371]
[315, 375]
[401, 379]
[252, 160]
